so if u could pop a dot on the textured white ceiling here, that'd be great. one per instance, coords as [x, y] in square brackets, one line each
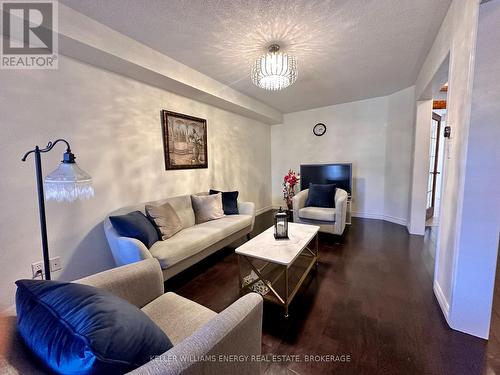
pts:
[346, 49]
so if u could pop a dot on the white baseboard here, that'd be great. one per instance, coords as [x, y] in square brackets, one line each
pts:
[443, 303]
[392, 219]
[395, 220]
[263, 209]
[364, 215]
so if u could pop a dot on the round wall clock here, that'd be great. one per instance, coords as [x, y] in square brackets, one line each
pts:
[319, 129]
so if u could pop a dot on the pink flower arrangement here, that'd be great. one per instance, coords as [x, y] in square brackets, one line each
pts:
[289, 182]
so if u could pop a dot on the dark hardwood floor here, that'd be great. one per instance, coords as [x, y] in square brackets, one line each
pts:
[494, 341]
[371, 299]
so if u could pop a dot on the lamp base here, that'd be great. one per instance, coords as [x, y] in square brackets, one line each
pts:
[281, 238]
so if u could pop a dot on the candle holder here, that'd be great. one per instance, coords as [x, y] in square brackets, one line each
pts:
[281, 225]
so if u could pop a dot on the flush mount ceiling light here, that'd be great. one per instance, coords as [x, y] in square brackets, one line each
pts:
[275, 70]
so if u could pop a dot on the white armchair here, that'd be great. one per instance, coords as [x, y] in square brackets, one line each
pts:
[330, 220]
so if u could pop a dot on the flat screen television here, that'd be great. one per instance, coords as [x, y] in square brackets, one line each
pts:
[339, 174]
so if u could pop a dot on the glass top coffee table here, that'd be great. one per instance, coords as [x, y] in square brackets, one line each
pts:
[277, 268]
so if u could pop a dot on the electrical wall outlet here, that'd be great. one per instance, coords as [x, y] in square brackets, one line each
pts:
[55, 264]
[37, 269]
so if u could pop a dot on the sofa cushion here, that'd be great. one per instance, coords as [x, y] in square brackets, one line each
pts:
[192, 240]
[183, 207]
[229, 201]
[76, 328]
[165, 218]
[321, 195]
[207, 207]
[135, 225]
[317, 213]
[16, 358]
[177, 316]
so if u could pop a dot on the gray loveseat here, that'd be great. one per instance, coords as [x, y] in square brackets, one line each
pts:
[193, 243]
[195, 331]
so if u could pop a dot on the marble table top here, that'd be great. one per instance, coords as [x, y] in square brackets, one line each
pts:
[266, 247]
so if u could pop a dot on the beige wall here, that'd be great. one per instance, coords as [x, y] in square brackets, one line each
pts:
[475, 268]
[376, 135]
[355, 133]
[398, 149]
[453, 49]
[113, 124]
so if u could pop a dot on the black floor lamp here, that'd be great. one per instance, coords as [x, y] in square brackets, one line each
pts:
[67, 183]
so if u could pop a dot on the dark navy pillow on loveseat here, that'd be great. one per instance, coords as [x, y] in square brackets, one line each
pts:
[136, 225]
[321, 195]
[229, 201]
[78, 329]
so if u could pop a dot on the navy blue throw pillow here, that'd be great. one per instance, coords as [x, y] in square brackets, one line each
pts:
[229, 201]
[136, 225]
[78, 329]
[321, 195]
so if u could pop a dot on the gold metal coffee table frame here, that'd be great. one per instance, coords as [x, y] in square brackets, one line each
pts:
[310, 256]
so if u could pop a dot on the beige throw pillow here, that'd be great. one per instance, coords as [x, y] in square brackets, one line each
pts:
[165, 219]
[207, 207]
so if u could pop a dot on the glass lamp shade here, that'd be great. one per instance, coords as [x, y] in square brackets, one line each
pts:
[68, 183]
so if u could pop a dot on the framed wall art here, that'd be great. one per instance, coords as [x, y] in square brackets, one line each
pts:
[184, 141]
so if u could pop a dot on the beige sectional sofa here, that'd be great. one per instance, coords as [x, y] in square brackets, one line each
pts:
[194, 330]
[193, 243]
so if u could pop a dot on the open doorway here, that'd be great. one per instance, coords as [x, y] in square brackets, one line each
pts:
[435, 167]
[436, 152]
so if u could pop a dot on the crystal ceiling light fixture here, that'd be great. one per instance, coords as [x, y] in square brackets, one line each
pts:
[275, 70]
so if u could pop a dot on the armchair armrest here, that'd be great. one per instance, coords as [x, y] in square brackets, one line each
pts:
[247, 208]
[236, 331]
[138, 283]
[298, 202]
[340, 209]
[125, 250]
